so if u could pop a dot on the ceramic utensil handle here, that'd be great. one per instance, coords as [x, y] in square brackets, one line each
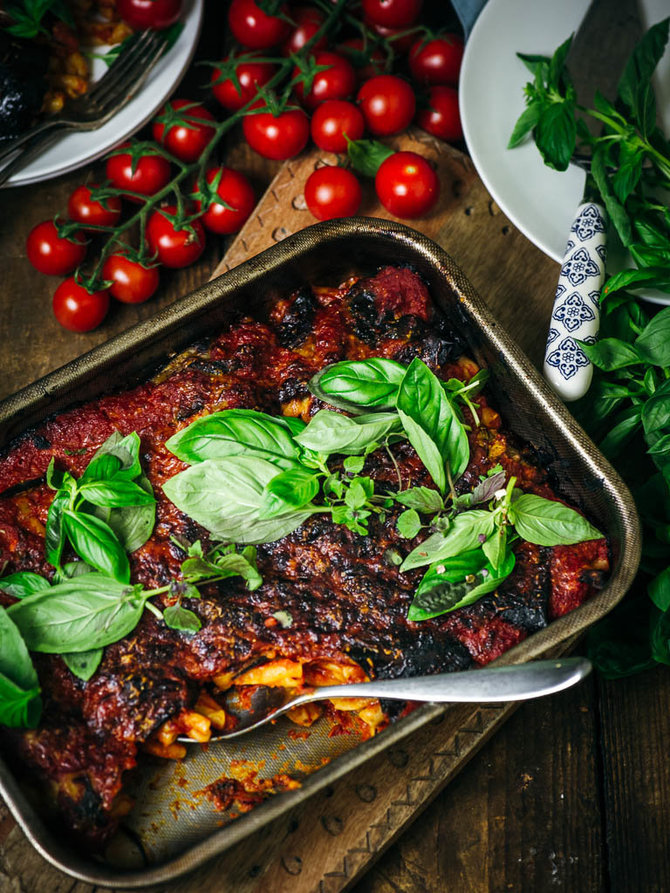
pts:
[576, 312]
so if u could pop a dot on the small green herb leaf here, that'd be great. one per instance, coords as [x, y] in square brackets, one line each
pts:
[467, 531]
[331, 432]
[422, 499]
[20, 702]
[23, 583]
[182, 619]
[288, 490]
[549, 523]
[83, 664]
[357, 385]
[408, 524]
[97, 544]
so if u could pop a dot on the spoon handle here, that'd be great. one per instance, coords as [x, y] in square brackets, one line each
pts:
[512, 683]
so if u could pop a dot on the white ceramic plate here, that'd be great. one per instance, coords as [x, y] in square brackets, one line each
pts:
[539, 201]
[75, 149]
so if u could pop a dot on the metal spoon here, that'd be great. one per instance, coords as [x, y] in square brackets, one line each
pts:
[496, 684]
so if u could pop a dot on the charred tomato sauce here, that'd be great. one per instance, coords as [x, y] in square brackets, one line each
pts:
[346, 599]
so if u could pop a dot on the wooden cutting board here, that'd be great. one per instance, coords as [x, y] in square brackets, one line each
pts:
[330, 841]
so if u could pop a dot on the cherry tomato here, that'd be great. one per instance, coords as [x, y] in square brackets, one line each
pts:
[147, 175]
[52, 254]
[175, 248]
[442, 119]
[407, 185]
[367, 62]
[156, 14]
[254, 28]
[387, 103]
[250, 75]
[392, 13]
[332, 192]
[332, 120]
[237, 192]
[186, 140]
[438, 61]
[336, 82]
[77, 309]
[132, 283]
[308, 20]
[277, 136]
[401, 39]
[82, 208]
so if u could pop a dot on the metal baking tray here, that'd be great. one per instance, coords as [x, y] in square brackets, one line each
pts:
[179, 831]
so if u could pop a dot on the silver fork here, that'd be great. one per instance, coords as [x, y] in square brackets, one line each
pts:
[102, 102]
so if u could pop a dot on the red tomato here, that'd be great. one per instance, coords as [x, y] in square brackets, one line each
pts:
[337, 81]
[442, 119]
[82, 208]
[308, 20]
[254, 28]
[392, 13]
[175, 248]
[186, 140]
[438, 61]
[132, 283]
[387, 103]
[367, 62]
[407, 185]
[250, 76]
[332, 192]
[141, 14]
[147, 175]
[77, 309]
[332, 120]
[235, 191]
[50, 253]
[277, 136]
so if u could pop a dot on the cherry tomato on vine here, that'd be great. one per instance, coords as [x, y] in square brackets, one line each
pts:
[400, 39]
[368, 61]
[85, 210]
[77, 309]
[235, 191]
[279, 136]
[52, 254]
[392, 13]
[147, 174]
[156, 14]
[132, 282]
[437, 61]
[250, 75]
[254, 28]
[308, 20]
[174, 247]
[332, 192]
[179, 128]
[332, 120]
[338, 81]
[407, 185]
[443, 118]
[387, 103]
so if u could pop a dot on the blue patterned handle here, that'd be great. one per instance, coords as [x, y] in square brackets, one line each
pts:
[576, 312]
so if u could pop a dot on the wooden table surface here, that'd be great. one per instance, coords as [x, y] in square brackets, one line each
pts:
[573, 793]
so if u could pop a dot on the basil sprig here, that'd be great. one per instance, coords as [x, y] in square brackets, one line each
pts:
[20, 701]
[108, 512]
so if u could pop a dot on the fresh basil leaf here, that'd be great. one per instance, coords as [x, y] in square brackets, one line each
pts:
[288, 490]
[431, 423]
[83, 664]
[442, 591]
[182, 619]
[367, 155]
[467, 531]
[627, 424]
[226, 495]
[54, 538]
[353, 464]
[71, 570]
[546, 522]
[102, 467]
[356, 385]
[610, 353]
[23, 583]
[134, 524]
[233, 564]
[88, 612]
[659, 590]
[422, 499]
[115, 493]
[359, 492]
[331, 432]
[408, 524]
[236, 432]
[526, 122]
[20, 702]
[616, 211]
[652, 277]
[495, 547]
[653, 343]
[641, 65]
[95, 542]
[486, 489]
[556, 133]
